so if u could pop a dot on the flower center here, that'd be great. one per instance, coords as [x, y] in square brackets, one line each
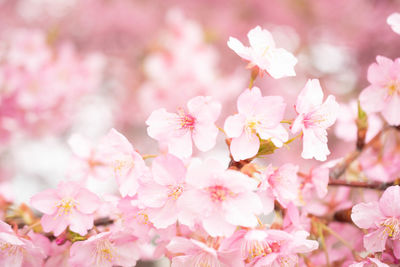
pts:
[9, 249]
[186, 120]
[123, 164]
[175, 191]
[257, 248]
[393, 87]
[65, 206]
[392, 228]
[251, 126]
[104, 252]
[205, 260]
[219, 193]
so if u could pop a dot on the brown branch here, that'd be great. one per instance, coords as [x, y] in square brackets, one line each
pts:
[358, 184]
[342, 166]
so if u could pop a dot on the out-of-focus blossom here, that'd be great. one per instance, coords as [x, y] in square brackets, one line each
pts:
[272, 247]
[313, 118]
[394, 22]
[369, 262]
[281, 184]
[178, 130]
[382, 218]
[190, 252]
[220, 199]
[259, 118]
[127, 165]
[161, 195]
[263, 54]
[70, 205]
[17, 251]
[346, 127]
[106, 249]
[383, 95]
[382, 164]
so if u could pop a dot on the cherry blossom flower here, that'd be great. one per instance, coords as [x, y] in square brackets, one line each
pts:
[272, 247]
[127, 165]
[346, 127]
[161, 195]
[313, 118]
[263, 54]
[394, 22]
[195, 253]
[70, 205]
[281, 184]
[369, 262]
[178, 129]
[16, 251]
[383, 95]
[106, 249]
[258, 118]
[382, 218]
[220, 199]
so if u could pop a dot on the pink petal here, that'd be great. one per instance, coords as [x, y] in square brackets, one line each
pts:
[247, 101]
[205, 136]
[55, 224]
[394, 21]
[80, 223]
[259, 39]
[153, 195]
[216, 225]
[372, 99]
[242, 209]
[161, 123]
[313, 146]
[46, 201]
[181, 146]
[280, 63]
[244, 147]
[88, 202]
[310, 97]
[168, 170]
[391, 111]
[278, 134]
[387, 200]
[375, 241]
[366, 215]
[239, 48]
[234, 125]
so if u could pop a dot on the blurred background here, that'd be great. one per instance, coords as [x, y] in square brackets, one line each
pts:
[81, 67]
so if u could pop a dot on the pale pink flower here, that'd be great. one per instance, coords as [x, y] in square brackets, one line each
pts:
[382, 218]
[127, 165]
[133, 218]
[263, 54]
[16, 251]
[178, 129]
[369, 262]
[70, 205]
[317, 181]
[88, 162]
[383, 95]
[106, 249]
[195, 253]
[281, 184]
[394, 22]
[346, 127]
[261, 248]
[258, 118]
[160, 196]
[313, 118]
[220, 199]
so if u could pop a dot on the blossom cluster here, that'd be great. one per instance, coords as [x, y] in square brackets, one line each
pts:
[195, 210]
